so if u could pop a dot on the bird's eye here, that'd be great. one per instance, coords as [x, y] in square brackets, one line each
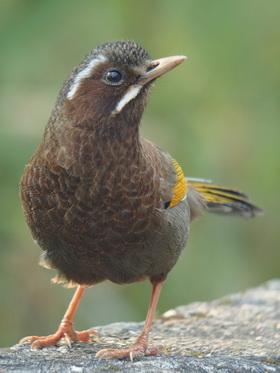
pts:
[114, 77]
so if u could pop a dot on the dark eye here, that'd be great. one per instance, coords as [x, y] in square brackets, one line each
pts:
[114, 77]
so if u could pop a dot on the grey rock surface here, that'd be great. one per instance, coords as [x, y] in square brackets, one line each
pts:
[237, 333]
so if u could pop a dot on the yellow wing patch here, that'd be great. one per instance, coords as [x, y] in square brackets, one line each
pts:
[180, 188]
[217, 194]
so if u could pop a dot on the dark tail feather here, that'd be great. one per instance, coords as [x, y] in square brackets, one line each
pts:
[223, 200]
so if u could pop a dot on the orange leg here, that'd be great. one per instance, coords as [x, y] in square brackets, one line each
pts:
[140, 347]
[65, 330]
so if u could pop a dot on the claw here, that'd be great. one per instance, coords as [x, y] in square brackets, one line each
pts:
[132, 355]
[93, 335]
[154, 350]
[67, 340]
[36, 345]
[163, 349]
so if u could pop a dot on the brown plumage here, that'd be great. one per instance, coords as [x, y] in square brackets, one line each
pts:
[104, 203]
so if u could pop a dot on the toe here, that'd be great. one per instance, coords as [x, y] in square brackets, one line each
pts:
[87, 336]
[111, 353]
[155, 350]
[132, 353]
[29, 339]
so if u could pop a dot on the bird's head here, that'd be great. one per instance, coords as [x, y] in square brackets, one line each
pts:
[112, 83]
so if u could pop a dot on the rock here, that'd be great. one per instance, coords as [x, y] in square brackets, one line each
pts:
[237, 333]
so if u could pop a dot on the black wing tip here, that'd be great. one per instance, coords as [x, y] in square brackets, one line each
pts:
[242, 209]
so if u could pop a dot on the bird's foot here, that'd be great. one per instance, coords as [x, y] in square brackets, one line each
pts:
[65, 332]
[138, 349]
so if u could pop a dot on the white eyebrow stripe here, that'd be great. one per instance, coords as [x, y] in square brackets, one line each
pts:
[130, 94]
[85, 73]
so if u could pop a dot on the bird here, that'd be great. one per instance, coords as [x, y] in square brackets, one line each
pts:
[102, 202]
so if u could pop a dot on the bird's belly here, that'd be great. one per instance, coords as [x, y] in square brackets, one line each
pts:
[121, 255]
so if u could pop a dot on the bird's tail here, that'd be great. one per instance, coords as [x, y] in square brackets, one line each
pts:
[223, 200]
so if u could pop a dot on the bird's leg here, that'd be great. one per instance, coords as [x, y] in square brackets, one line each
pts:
[140, 347]
[65, 330]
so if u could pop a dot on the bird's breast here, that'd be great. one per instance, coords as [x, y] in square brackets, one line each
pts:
[90, 194]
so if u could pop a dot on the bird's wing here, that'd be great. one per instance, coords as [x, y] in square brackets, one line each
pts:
[223, 200]
[173, 185]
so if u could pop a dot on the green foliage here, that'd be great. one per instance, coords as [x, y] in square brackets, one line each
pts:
[217, 114]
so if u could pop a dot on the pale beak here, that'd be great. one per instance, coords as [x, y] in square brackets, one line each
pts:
[160, 67]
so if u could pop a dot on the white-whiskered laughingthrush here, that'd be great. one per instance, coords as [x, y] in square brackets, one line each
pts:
[104, 203]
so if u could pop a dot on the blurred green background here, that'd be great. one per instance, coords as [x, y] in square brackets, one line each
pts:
[217, 114]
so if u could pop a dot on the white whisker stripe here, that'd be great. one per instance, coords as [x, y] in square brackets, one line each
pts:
[129, 95]
[85, 73]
